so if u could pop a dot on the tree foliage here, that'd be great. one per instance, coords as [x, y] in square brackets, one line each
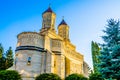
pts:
[95, 53]
[76, 76]
[9, 58]
[6, 59]
[9, 75]
[110, 51]
[95, 76]
[48, 76]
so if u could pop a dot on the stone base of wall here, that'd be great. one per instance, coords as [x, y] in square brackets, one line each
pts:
[28, 78]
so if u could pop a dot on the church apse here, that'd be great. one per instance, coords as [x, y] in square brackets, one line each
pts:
[28, 54]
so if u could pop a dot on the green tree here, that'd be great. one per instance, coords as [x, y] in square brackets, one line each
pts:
[95, 49]
[6, 59]
[9, 58]
[1, 51]
[75, 76]
[95, 76]
[48, 76]
[10, 75]
[110, 51]
[2, 58]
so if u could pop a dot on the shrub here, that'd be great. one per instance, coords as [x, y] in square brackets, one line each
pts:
[10, 75]
[48, 76]
[75, 76]
[95, 76]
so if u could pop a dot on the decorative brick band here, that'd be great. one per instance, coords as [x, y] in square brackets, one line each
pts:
[35, 48]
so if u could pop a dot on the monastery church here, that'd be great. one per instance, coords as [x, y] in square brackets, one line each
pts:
[47, 51]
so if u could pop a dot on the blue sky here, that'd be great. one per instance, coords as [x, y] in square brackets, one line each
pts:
[86, 19]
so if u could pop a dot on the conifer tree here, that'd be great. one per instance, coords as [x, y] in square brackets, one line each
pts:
[110, 51]
[1, 51]
[6, 59]
[95, 53]
[2, 58]
[9, 58]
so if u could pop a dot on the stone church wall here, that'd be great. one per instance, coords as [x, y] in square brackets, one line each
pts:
[30, 38]
[59, 64]
[56, 45]
[28, 55]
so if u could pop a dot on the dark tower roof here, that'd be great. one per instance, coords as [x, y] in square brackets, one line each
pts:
[48, 10]
[63, 22]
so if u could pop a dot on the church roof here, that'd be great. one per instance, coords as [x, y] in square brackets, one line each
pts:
[63, 22]
[48, 10]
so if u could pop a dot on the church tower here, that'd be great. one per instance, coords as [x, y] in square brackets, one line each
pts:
[48, 21]
[63, 30]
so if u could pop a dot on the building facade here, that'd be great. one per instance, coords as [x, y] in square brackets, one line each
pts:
[47, 51]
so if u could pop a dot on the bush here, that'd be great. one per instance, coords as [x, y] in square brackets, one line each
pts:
[76, 77]
[95, 76]
[48, 76]
[10, 75]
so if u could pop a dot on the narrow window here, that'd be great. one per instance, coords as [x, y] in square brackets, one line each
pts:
[16, 60]
[29, 61]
